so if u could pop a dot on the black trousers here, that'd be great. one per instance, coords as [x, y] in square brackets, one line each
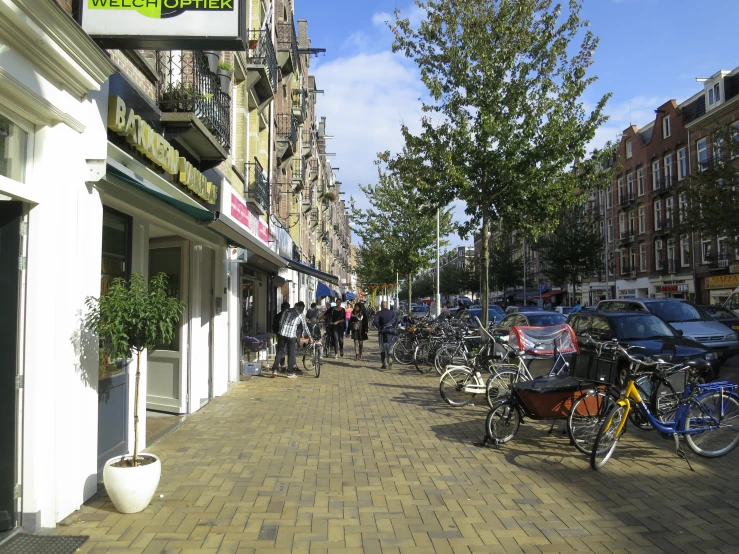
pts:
[338, 334]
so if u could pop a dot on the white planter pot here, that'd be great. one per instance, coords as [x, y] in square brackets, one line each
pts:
[131, 488]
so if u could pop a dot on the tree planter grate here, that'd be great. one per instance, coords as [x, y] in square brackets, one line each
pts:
[35, 544]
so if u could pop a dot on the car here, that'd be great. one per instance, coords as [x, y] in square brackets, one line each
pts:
[529, 319]
[495, 313]
[656, 337]
[683, 316]
[724, 315]
[419, 309]
[516, 309]
[564, 310]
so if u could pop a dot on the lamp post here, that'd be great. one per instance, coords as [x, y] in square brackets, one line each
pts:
[437, 296]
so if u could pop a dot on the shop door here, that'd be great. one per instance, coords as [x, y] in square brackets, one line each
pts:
[10, 225]
[167, 365]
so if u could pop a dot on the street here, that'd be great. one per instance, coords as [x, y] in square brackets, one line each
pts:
[363, 460]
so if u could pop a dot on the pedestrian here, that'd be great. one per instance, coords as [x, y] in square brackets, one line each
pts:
[312, 315]
[280, 352]
[359, 325]
[386, 322]
[337, 320]
[292, 326]
[348, 316]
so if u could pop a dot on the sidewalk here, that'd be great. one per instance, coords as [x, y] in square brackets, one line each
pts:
[362, 460]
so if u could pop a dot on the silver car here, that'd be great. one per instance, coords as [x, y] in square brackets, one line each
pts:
[694, 322]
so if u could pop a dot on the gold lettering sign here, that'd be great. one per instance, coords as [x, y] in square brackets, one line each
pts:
[722, 282]
[139, 134]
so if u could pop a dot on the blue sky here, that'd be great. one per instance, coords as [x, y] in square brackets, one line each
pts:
[650, 51]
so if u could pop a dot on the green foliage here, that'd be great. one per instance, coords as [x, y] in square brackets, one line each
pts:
[423, 287]
[374, 264]
[506, 270]
[573, 251]
[134, 315]
[712, 191]
[225, 66]
[456, 280]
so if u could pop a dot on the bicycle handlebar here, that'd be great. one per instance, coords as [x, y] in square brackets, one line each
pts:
[614, 345]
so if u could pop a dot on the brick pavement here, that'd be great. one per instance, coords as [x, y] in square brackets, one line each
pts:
[361, 460]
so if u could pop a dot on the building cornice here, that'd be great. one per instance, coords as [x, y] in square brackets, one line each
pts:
[714, 113]
[48, 36]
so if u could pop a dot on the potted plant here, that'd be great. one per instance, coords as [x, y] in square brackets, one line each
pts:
[212, 56]
[329, 196]
[132, 317]
[224, 74]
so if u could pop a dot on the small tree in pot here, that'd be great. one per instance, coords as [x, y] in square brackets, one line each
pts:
[224, 75]
[132, 317]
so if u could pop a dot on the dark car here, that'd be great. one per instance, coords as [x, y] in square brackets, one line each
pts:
[723, 315]
[495, 313]
[530, 319]
[657, 338]
[516, 309]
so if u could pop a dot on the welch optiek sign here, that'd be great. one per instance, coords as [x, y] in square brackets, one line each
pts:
[166, 24]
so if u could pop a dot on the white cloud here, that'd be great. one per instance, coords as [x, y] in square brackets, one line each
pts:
[380, 19]
[358, 40]
[413, 13]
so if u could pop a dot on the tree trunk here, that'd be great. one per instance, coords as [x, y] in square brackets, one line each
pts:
[136, 411]
[485, 269]
[410, 293]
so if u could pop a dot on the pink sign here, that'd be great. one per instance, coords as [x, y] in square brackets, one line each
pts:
[239, 211]
[263, 231]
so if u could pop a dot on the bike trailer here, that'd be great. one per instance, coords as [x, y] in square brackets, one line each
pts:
[542, 341]
[549, 397]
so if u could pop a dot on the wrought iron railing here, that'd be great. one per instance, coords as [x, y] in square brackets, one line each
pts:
[262, 52]
[667, 266]
[299, 102]
[186, 84]
[665, 224]
[628, 270]
[287, 128]
[287, 40]
[717, 261]
[298, 177]
[627, 199]
[664, 184]
[257, 183]
[628, 235]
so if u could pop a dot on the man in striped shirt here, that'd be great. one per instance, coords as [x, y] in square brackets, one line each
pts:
[292, 326]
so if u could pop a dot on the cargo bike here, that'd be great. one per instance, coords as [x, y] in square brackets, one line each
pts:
[575, 392]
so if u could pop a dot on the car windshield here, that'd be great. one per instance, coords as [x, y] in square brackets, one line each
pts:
[721, 313]
[545, 319]
[677, 312]
[641, 327]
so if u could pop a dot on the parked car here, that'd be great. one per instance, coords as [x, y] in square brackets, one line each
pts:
[694, 322]
[643, 329]
[564, 310]
[495, 313]
[419, 310]
[724, 315]
[516, 309]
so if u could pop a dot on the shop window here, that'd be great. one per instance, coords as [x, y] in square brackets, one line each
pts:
[13, 150]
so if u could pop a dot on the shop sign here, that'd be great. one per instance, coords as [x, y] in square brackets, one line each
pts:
[722, 282]
[142, 137]
[166, 24]
[734, 268]
[240, 213]
[674, 288]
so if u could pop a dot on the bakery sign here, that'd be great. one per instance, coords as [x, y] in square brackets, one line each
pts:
[166, 24]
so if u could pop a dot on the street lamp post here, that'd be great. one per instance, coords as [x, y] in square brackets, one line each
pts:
[437, 297]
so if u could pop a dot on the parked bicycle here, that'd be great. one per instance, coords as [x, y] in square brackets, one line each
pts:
[313, 353]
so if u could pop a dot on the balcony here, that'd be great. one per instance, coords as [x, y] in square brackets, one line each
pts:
[261, 66]
[287, 137]
[629, 272]
[667, 266]
[300, 105]
[664, 226]
[664, 185]
[717, 261]
[298, 174]
[628, 236]
[257, 191]
[287, 48]
[196, 113]
[627, 199]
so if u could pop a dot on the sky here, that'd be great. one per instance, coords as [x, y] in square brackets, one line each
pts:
[650, 51]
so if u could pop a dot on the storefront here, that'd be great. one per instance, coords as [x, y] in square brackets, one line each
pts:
[674, 287]
[718, 288]
[632, 288]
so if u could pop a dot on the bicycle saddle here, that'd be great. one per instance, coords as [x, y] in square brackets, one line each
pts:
[698, 365]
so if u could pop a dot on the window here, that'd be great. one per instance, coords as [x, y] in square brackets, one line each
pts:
[671, 250]
[657, 215]
[722, 249]
[624, 263]
[717, 92]
[609, 196]
[668, 168]
[622, 224]
[601, 228]
[640, 181]
[706, 250]
[642, 220]
[642, 257]
[630, 183]
[702, 153]
[13, 150]
[656, 175]
[601, 199]
[632, 225]
[735, 137]
[629, 151]
[683, 207]
[620, 189]
[610, 230]
[658, 256]
[669, 208]
[684, 251]
[666, 131]
[682, 164]
[718, 149]
[710, 97]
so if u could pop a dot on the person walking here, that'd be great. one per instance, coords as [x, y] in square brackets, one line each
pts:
[312, 314]
[359, 325]
[337, 321]
[292, 326]
[386, 322]
[280, 352]
[348, 311]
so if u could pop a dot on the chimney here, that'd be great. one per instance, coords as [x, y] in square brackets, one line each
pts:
[303, 42]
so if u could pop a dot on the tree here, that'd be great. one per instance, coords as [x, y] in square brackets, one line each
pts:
[506, 270]
[712, 191]
[573, 250]
[374, 264]
[422, 287]
[132, 317]
[403, 234]
[506, 97]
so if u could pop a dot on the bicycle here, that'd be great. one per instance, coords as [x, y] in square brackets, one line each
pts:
[704, 412]
[313, 353]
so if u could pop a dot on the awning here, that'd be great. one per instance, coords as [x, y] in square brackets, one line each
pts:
[519, 295]
[263, 257]
[549, 294]
[351, 296]
[323, 290]
[312, 271]
[169, 194]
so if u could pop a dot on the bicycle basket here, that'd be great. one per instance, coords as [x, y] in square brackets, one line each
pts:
[541, 341]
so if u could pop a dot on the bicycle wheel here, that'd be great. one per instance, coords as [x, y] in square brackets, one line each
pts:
[443, 357]
[309, 363]
[502, 422]
[454, 386]
[606, 440]
[499, 384]
[318, 359]
[421, 358]
[585, 418]
[403, 350]
[718, 413]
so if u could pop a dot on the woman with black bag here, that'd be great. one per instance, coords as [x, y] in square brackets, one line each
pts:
[359, 327]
